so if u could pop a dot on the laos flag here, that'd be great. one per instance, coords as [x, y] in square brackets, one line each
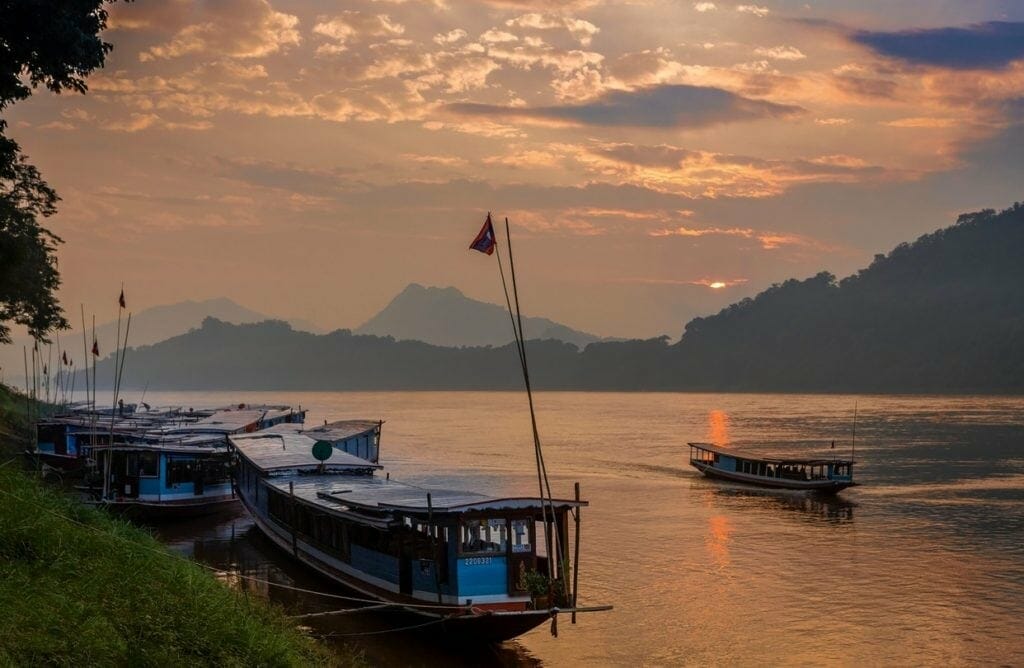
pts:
[484, 241]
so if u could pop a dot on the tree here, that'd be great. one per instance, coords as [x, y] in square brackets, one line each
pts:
[56, 44]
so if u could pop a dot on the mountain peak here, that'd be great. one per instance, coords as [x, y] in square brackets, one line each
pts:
[444, 316]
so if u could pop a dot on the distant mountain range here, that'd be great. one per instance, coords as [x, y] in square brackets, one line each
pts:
[446, 317]
[149, 326]
[944, 314]
[162, 322]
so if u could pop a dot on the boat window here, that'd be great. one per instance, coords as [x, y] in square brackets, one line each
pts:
[180, 470]
[521, 535]
[216, 470]
[149, 464]
[484, 536]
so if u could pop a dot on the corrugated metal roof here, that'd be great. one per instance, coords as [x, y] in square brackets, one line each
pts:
[374, 493]
[770, 459]
[281, 449]
[226, 422]
[332, 431]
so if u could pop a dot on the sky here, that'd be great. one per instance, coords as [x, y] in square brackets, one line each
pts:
[657, 160]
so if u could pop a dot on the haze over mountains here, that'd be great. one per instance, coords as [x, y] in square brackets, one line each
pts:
[943, 314]
[446, 317]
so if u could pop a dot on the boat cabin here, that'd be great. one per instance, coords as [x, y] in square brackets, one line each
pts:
[190, 475]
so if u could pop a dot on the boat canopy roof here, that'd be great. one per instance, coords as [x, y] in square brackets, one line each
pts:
[170, 448]
[224, 422]
[785, 461]
[370, 493]
[286, 448]
[334, 431]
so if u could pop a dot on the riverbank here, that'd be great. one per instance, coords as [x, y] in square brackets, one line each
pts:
[80, 587]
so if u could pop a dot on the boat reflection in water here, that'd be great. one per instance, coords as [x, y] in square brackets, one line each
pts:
[811, 507]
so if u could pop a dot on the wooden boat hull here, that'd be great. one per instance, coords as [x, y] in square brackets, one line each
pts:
[481, 627]
[822, 486]
[148, 510]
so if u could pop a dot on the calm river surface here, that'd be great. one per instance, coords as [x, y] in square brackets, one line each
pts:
[924, 563]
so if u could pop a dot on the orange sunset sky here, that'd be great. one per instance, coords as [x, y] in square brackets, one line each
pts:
[309, 159]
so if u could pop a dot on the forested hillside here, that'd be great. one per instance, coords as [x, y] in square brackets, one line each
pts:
[943, 313]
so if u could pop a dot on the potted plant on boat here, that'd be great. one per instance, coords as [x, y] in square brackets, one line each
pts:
[544, 592]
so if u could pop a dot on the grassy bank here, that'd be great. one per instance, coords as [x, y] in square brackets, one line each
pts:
[78, 587]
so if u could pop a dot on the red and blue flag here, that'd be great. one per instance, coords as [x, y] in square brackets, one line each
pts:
[485, 240]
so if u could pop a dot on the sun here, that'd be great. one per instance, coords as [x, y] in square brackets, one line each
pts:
[717, 285]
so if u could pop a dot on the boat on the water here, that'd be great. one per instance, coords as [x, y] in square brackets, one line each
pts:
[818, 475]
[459, 562]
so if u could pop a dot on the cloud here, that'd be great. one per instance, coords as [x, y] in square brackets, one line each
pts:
[991, 45]
[136, 122]
[495, 36]
[922, 122]
[353, 25]
[236, 28]
[756, 10]
[438, 160]
[450, 37]
[780, 53]
[645, 68]
[275, 174]
[704, 6]
[581, 30]
[656, 107]
[709, 175]
[768, 240]
[860, 82]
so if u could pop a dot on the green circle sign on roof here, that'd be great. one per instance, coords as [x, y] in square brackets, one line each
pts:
[323, 450]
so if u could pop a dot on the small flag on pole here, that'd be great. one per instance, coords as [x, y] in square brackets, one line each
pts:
[485, 240]
[120, 300]
[95, 348]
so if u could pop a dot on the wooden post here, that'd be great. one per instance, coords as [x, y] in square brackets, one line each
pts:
[28, 395]
[576, 558]
[433, 544]
[291, 516]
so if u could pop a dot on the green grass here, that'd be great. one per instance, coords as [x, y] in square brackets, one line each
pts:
[13, 424]
[78, 587]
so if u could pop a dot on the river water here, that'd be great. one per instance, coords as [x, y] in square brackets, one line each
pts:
[923, 563]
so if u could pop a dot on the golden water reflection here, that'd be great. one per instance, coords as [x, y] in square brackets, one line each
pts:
[718, 427]
[719, 533]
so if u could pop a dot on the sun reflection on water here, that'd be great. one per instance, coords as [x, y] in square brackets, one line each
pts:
[718, 427]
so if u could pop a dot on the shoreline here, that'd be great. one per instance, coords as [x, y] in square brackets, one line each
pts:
[78, 586]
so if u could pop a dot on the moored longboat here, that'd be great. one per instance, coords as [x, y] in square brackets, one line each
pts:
[464, 560]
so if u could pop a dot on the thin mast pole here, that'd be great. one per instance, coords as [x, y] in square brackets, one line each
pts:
[49, 371]
[85, 356]
[58, 391]
[853, 443]
[576, 556]
[521, 350]
[28, 400]
[124, 351]
[542, 476]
